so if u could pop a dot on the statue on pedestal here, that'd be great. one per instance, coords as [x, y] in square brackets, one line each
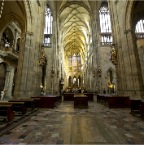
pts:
[113, 55]
[42, 59]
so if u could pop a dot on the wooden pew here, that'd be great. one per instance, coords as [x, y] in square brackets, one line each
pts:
[48, 101]
[36, 102]
[29, 102]
[114, 101]
[142, 108]
[18, 107]
[103, 98]
[135, 106]
[118, 101]
[7, 112]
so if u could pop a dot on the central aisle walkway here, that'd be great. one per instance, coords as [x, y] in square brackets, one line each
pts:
[65, 125]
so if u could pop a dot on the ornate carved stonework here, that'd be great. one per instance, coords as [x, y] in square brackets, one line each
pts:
[42, 59]
[52, 73]
[113, 55]
[99, 72]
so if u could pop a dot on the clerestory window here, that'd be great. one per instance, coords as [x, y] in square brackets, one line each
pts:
[139, 29]
[105, 25]
[48, 27]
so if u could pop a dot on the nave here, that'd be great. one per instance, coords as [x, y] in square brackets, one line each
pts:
[65, 125]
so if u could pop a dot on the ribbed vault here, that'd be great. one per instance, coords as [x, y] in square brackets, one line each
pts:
[13, 11]
[75, 30]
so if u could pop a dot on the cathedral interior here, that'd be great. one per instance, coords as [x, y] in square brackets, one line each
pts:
[52, 50]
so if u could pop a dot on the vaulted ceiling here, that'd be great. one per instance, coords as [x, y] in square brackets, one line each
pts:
[13, 11]
[75, 28]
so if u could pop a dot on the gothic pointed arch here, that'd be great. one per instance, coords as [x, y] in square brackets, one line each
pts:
[28, 15]
[7, 38]
[19, 12]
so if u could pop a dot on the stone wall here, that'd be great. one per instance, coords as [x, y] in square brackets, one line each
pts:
[129, 78]
[105, 65]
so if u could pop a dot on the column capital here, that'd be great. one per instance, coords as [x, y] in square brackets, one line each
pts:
[128, 30]
[29, 33]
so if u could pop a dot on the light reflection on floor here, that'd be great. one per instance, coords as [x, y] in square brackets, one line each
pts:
[65, 125]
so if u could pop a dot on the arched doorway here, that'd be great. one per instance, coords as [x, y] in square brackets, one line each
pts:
[7, 38]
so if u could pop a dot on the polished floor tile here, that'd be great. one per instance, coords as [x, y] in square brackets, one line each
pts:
[65, 125]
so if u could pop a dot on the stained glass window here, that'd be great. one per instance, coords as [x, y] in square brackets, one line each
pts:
[75, 62]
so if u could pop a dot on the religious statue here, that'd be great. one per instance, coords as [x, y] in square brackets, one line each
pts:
[99, 71]
[42, 57]
[113, 55]
[52, 72]
[3, 94]
[58, 73]
[93, 72]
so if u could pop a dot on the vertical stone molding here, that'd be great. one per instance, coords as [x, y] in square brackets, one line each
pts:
[9, 81]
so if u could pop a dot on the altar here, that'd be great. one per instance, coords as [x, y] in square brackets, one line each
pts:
[80, 101]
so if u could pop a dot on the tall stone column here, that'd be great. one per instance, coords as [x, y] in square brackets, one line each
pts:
[56, 51]
[95, 28]
[117, 33]
[54, 55]
[134, 77]
[25, 76]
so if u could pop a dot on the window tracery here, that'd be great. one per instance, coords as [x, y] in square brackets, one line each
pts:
[48, 27]
[105, 25]
[75, 62]
[139, 29]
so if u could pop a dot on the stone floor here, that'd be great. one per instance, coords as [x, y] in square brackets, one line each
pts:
[65, 125]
